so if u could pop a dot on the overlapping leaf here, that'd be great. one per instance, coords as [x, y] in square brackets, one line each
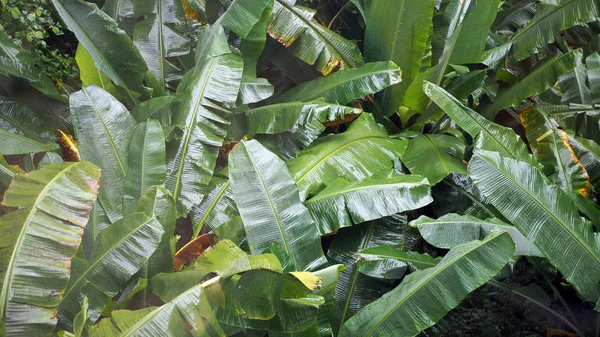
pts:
[54, 206]
[452, 230]
[388, 263]
[342, 203]
[22, 130]
[119, 252]
[346, 85]
[295, 27]
[417, 303]
[342, 156]
[271, 210]
[192, 161]
[544, 214]
[103, 128]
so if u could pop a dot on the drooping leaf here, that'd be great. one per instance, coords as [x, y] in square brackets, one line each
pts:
[146, 161]
[111, 49]
[22, 130]
[241, 16]
[538, 80]
[452, 230]
[7, 172]
[54, 206]
[354, 289]
[157, 40]
[295, 28]
[16, 61]
[417, 304]
[344, 86]
[551, 17]
[400, 34]
[388, 263]
[584, 120]
[544, 214]
[96, 223]
[167, 286]
[554, 152]
[588, 153]
[319, 164]
[192, 162]
[445, 155]
[573, 86]
[278, 118]
[68, 146]
[488, 135]
[103, 128]
[592, 64]
[119, 252]
[288, 144]
[268, 201]
[342, 203]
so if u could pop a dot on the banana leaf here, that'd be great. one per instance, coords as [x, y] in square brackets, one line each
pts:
[319, 164]
[355, 290]
[201, 10]
[388, 263]
[538, 80]
[111, 49]
[242, 15]
[416, 303]
[452, 230]
[550, 19]
[23, 131]
[399, 33]
[168, 286]
[39, 240]
[89, 74]
[574, 87]
[588, 153]
[16, 61]
[288, 144]
[103, 128]
[346, 85]
[544, 214]
[126, 244]
[592, 64]
[342, 203]
[488, 135]
[268, 202]
[218, 211]
[97, 222]
[146, 161]
[157, 40]
[123, 12]
[554, 152]
[278, 118]
[193, 157]
[295, 28]
[584, 120]
[445, 156]
[7, 172]
[448, 18]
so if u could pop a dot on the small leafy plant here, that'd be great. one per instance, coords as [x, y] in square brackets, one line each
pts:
[235, 168]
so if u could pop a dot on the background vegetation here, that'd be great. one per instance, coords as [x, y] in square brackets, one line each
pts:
[299, 168]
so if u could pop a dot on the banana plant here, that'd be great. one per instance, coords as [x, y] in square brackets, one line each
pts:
[249, 168]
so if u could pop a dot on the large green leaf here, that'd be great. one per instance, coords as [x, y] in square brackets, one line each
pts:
[584, 120]
[89, 73]
[344, 86]
[22, 130]
[119, 252]
[435, 156]
[146, 161]
[488, 135]
[342, 203]
[554, 152]
[389, 263]
[157, 40]
[103, 128]
[452, 230]
[573, 86]
[399, 33]
[218, 211]
[268, 201]
[294, 27]
[592, 64]
[288, 144]
[39, 240]
[7, 172]
[242, 15]
[551, 17]
[278, 118]
[319, 164]
[588, 153]
[193, 156]
[110, 47]
[544, 214]
[355, 290]
[417, 302]
[538, 80]
[97, 222]
[16, 61]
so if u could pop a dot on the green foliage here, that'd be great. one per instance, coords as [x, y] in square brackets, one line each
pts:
[260, 176]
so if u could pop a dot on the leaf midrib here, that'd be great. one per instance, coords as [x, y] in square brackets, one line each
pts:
[341, 192]
[210, 208]
[10, 267]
